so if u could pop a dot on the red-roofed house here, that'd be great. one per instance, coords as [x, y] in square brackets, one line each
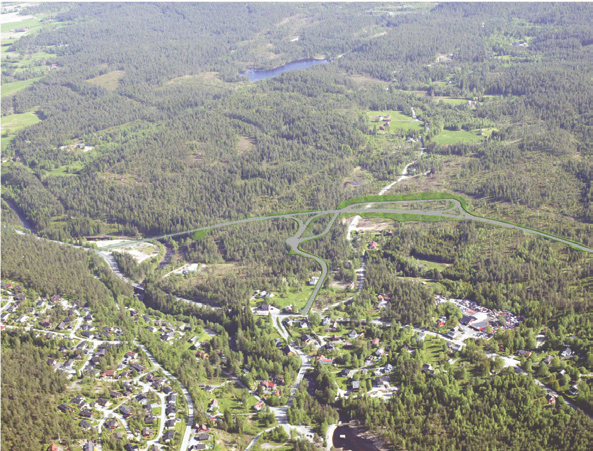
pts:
[324, 360]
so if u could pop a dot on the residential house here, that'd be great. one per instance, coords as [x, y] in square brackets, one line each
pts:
[346, 373]
[108, 373]
[574, 391]
[268, 385]
[130, 447]
[523, 353]
[167, 390]
[141, 398]
[88, 446]
[149, 418]
[168, 436]
[125, 411]
[566, 353]
[550, 398]
[380, 352]
[138, 368]
[115, 394]
[258, 406]
[548, 360]
[324, 360]
[382, 381]
[373, 245]
[65, 408]
[146, 432]
[203, 427]
[78, 401]
[203, 437]
[86, 413]
[52, 362]
[355, 386]
[306, 338]
[170, 410]
[353, 334]
[170, 424]
[110, 423]
[84, 424]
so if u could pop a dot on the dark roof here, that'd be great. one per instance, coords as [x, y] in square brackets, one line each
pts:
[169, 435]
[84, 424]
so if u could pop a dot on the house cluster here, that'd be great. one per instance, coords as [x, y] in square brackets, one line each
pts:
[85, 410]
[479, 318]
[167, 331]
[202, 435]
[271, 387]
[257, 294]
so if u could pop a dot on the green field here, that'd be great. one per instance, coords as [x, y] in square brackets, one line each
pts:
[298, 297]
[456, 137]
[11, 88]
[451, 101]
[30, 23]
[15, 122]
[398, 120]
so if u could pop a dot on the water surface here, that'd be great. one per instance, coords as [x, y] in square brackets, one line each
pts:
[259, 74]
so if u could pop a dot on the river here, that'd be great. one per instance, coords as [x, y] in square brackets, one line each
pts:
[260, 74]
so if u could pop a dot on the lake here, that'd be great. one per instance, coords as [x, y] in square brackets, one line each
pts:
[346, 438]
[257, 74]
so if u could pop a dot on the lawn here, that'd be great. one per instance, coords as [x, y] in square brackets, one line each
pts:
[11, 88]
[109, 81]
[27, 23]
[15, 122]
[398, 120]
[68, 170]
[451, 101]
[455, 137]
[298, 297]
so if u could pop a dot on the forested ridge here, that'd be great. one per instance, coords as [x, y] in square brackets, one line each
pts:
[176, 145]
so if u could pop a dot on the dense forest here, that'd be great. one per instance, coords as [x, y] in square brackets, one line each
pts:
[175, 145]
[30, 390]
[506, 412]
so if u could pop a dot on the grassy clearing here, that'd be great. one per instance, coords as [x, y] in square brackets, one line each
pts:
[200, 235]
[298, 297]
[404, 217]
[451, 101]
[68, 170]
[11, 88]
[454, 137]
[398, 120]
[109, 81]
[15, 122]
[27, 23]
